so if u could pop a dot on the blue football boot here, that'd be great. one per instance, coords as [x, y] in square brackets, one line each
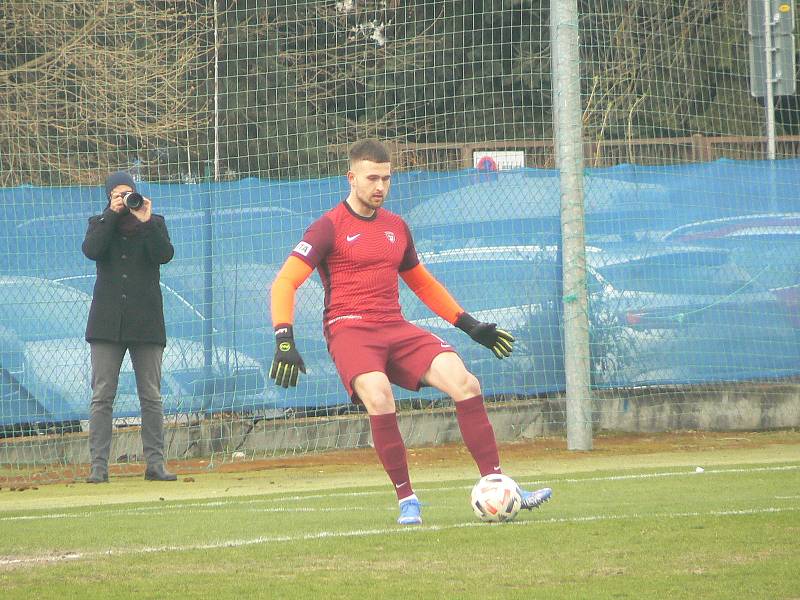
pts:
[531, 500]
[410, 512]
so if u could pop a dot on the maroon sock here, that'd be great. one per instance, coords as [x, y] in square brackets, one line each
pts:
[392, 451]
[478, 434]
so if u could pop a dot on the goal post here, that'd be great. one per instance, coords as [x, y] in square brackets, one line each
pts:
[569, 162]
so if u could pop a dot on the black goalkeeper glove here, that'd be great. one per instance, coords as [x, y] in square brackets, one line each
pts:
[287, 364]
[497, 340]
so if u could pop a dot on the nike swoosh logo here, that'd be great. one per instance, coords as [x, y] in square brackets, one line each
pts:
[351, 238]
[399, 485]
[497, 468]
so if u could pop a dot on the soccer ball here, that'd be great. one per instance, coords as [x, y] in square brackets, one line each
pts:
[495, 499]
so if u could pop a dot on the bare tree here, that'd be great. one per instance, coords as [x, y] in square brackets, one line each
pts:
[87, 86]
[656, 68]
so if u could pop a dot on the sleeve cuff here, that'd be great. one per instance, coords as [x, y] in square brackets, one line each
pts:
[109, 215]
[466, 322]
[284, 331]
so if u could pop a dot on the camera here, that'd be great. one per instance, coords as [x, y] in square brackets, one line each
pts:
[133, 200]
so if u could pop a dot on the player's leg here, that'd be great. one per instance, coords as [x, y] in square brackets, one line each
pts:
[448, 374]
[106, 363]
[375, 391]
[146, 359]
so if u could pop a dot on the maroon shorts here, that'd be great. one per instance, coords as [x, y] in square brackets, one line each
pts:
[399, 349]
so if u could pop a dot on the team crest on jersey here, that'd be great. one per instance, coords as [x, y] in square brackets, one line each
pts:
[303, 248]
[390, 236]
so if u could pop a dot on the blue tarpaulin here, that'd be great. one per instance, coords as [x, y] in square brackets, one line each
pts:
[691, 271]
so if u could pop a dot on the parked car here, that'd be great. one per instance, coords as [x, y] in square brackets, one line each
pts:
[261, 234]
[39, 337]
[236, 250]
[657, 315]
[515, 207]
[241, 296]
[22, 414]
[678, 314]
[43, 348]
[514, 286]
[240, 304]
[766, 245]
[50, 246]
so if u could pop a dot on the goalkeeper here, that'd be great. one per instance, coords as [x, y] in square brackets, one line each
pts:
[359, 249]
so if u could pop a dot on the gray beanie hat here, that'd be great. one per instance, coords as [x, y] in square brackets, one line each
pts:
[119, 178]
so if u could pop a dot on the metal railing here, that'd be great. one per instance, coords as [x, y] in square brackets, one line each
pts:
[603, 153]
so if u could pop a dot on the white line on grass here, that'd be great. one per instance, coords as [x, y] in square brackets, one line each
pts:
[188, 507]
[159, 511]
[692, 473]
[43, 559]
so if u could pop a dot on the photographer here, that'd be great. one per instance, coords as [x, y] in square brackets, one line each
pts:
[128, 243]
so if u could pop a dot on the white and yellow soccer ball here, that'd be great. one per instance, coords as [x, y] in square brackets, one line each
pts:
[496, 499]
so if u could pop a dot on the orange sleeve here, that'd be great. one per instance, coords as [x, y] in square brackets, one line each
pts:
[432, 293]
[292, 275]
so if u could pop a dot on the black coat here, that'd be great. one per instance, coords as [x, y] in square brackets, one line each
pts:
[127, 305]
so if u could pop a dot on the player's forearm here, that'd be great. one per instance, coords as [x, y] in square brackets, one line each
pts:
[282, 294]
[432, 293]
[282, 302]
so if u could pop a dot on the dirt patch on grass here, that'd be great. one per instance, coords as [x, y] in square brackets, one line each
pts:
[541, 448]
[538, 449]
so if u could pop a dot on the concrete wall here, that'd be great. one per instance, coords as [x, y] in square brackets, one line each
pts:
[715, 408]
[720, 407]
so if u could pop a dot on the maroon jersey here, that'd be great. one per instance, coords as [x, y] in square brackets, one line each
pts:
[358, 259]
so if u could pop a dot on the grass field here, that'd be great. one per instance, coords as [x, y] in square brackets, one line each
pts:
[632, 519]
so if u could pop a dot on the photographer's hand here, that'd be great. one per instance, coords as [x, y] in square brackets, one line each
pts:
[143, 213]
[117, 204]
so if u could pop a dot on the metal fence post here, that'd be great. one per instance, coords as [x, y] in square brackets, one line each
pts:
[569, 160]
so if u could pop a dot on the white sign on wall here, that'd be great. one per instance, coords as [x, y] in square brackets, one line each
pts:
[498, 160]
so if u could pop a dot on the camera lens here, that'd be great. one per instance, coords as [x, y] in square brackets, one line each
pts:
[133, 200]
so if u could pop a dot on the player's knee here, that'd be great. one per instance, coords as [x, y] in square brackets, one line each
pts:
[380, 405]
[469, 386]
[377, 399]
[473, 385]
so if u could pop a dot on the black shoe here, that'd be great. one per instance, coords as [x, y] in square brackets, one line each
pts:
[158, 473]
[98, 475]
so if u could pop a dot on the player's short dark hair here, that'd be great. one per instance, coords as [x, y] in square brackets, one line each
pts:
[370, 149]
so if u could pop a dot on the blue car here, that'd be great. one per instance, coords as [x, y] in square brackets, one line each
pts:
[528, 207]
[658, 315]
[43, 348]
[766, 245]
[22, 414]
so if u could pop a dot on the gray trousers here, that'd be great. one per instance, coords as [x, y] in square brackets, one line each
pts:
[106, 363]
